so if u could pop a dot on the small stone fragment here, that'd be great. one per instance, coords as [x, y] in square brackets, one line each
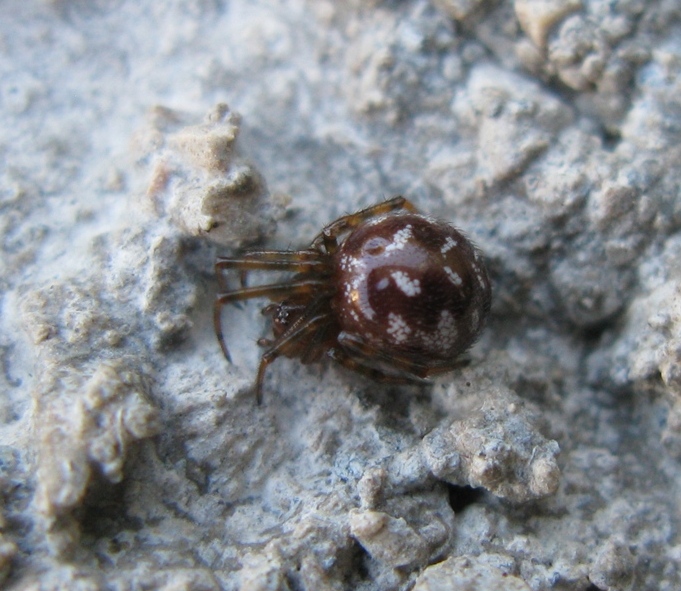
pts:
[513, 119]
[579, 52]
[209, 146]
[497, 447]
[460, 9]
[388, 539]
[202, 182]
[537, 17]
[613, 568]
[469, 573]
[261, 573]
[221, 206]
[88, 426]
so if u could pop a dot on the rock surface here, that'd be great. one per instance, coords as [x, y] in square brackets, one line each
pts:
[141, 139]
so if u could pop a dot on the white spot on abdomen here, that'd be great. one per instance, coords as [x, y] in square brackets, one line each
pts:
[400, 238]
[455, 278]
[409, 287]
[382, 284]
[398, 329]
[443, 338]
[448, 245]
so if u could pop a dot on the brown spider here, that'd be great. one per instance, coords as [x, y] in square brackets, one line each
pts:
[398, 299]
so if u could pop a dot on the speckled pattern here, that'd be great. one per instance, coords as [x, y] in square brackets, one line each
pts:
[412, 286]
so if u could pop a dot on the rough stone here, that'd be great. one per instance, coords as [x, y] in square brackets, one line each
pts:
[134, 456]
[202, 183]
[538, 17]
[467, 572]
[496, 447]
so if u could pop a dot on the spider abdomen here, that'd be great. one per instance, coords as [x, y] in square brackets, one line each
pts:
[411, 286]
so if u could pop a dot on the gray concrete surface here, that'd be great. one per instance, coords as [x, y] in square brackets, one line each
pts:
[140, 139]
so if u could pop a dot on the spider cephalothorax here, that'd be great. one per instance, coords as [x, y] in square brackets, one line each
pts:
[386, 291]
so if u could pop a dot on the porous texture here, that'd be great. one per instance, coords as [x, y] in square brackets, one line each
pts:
[142, 139]
[469, 573]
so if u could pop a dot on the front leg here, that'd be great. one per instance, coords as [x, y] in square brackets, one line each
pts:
[275, 292]
[373, 368]
[395, 363]
[296, 261]
[328, 237]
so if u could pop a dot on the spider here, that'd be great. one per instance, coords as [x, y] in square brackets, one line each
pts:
[386, 292]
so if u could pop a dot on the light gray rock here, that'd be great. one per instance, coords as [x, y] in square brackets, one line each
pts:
[466, 572]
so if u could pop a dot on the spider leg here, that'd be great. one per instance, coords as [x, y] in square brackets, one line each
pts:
[288, 260]
[328, 236]
[300, 261]
[273, 291]
[414, 371]
[369, 368]
[286, 344]
[315, 348]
